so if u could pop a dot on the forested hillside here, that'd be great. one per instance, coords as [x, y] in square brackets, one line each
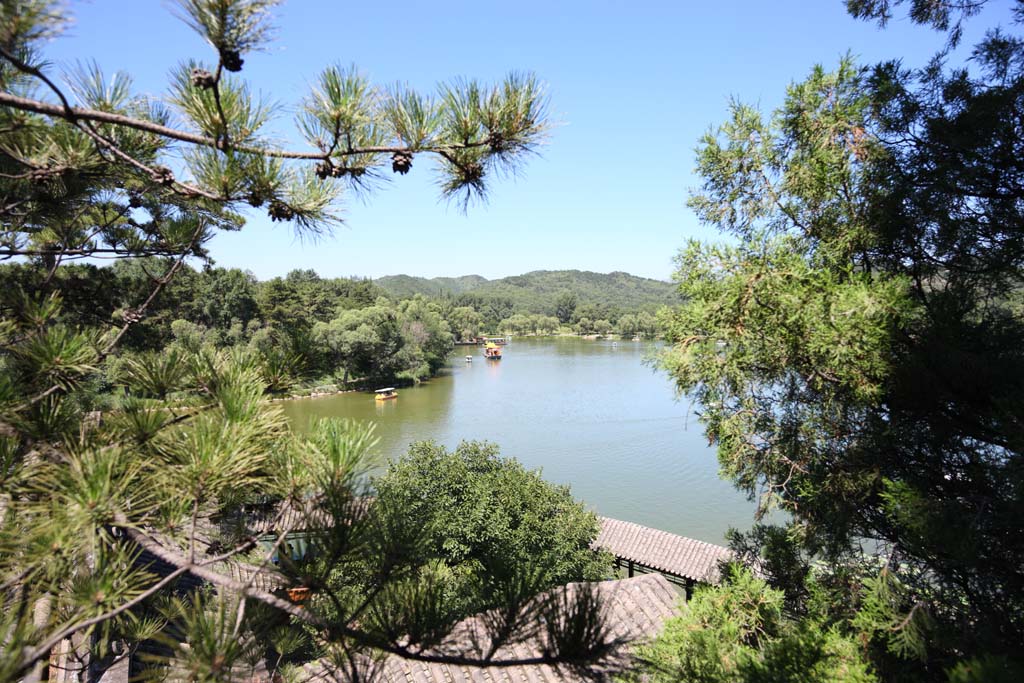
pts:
[403, 286]
[538, 291]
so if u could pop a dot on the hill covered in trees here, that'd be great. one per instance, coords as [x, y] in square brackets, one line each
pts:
[538, 291]
[404, 286]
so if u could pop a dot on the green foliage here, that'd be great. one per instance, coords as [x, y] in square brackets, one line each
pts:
[549, 293]
[642, 324]
[366, 342]
[737, 632]
[516, 324]
[428, 336]
[406, 286]
[810, 654]
[529, 324]
[279, 369]
[944, 15]
[183, 479]
[238, 26]
[465, 322]
[565, 306]
[887, 611]
[111, 155]
[855, 348]
[484, 515]
[988, 668]
[222, 297]
[224, 308]
[155, 374]
[217, 649]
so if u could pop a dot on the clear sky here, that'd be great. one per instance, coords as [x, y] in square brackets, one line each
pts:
[633, 85]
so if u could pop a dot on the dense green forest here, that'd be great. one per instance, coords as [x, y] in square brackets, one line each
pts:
[410, 285]
[546, 301]
[607, 294]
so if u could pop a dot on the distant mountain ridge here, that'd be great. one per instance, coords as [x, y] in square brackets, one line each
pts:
[537, 290]
[403, 286]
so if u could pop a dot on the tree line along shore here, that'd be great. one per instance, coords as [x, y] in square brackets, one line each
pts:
[314, 336]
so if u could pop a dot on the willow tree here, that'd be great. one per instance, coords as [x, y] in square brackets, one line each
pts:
[103, 516]
[856, 347]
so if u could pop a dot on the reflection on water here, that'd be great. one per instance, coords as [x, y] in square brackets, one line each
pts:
[589, 414]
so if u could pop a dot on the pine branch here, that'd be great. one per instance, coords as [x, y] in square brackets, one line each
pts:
[158, 174]
[73, 114]
[160, 283]
[6, 252]
[33, 71]
[42, 651]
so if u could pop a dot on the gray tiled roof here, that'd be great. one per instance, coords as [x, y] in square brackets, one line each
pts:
[636, 610]
[661, 550]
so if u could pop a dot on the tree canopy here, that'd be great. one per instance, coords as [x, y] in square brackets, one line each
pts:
[485, 515]
[739, 632]
[546, 292]
[855, 348]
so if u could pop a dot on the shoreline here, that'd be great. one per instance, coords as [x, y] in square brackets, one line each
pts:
[315, 394]
[322, 394]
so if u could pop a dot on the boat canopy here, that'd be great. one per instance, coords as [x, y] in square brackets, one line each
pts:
[387, 390]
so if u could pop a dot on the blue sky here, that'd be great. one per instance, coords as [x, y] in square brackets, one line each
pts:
[632, 84]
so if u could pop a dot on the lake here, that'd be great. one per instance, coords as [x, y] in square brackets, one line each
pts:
[590, 414]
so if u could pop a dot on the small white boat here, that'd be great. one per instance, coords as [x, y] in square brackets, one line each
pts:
[469, 359]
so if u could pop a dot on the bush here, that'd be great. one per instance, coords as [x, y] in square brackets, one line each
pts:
[480, 513]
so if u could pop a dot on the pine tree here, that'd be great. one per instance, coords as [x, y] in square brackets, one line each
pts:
[856, 348]
[118, 507]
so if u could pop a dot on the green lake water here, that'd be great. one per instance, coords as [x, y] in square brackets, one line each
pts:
[589, 414]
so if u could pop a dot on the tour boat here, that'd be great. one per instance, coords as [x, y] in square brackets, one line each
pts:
[385, 394]
[492, 351]
[469, 359]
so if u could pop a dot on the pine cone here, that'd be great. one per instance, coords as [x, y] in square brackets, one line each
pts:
[134, 201]
[496, 142]
[201, 78]
[324, 169]
[163, 175]
[231, 60]
[472, 172]
[279, 211]
[401, 162]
